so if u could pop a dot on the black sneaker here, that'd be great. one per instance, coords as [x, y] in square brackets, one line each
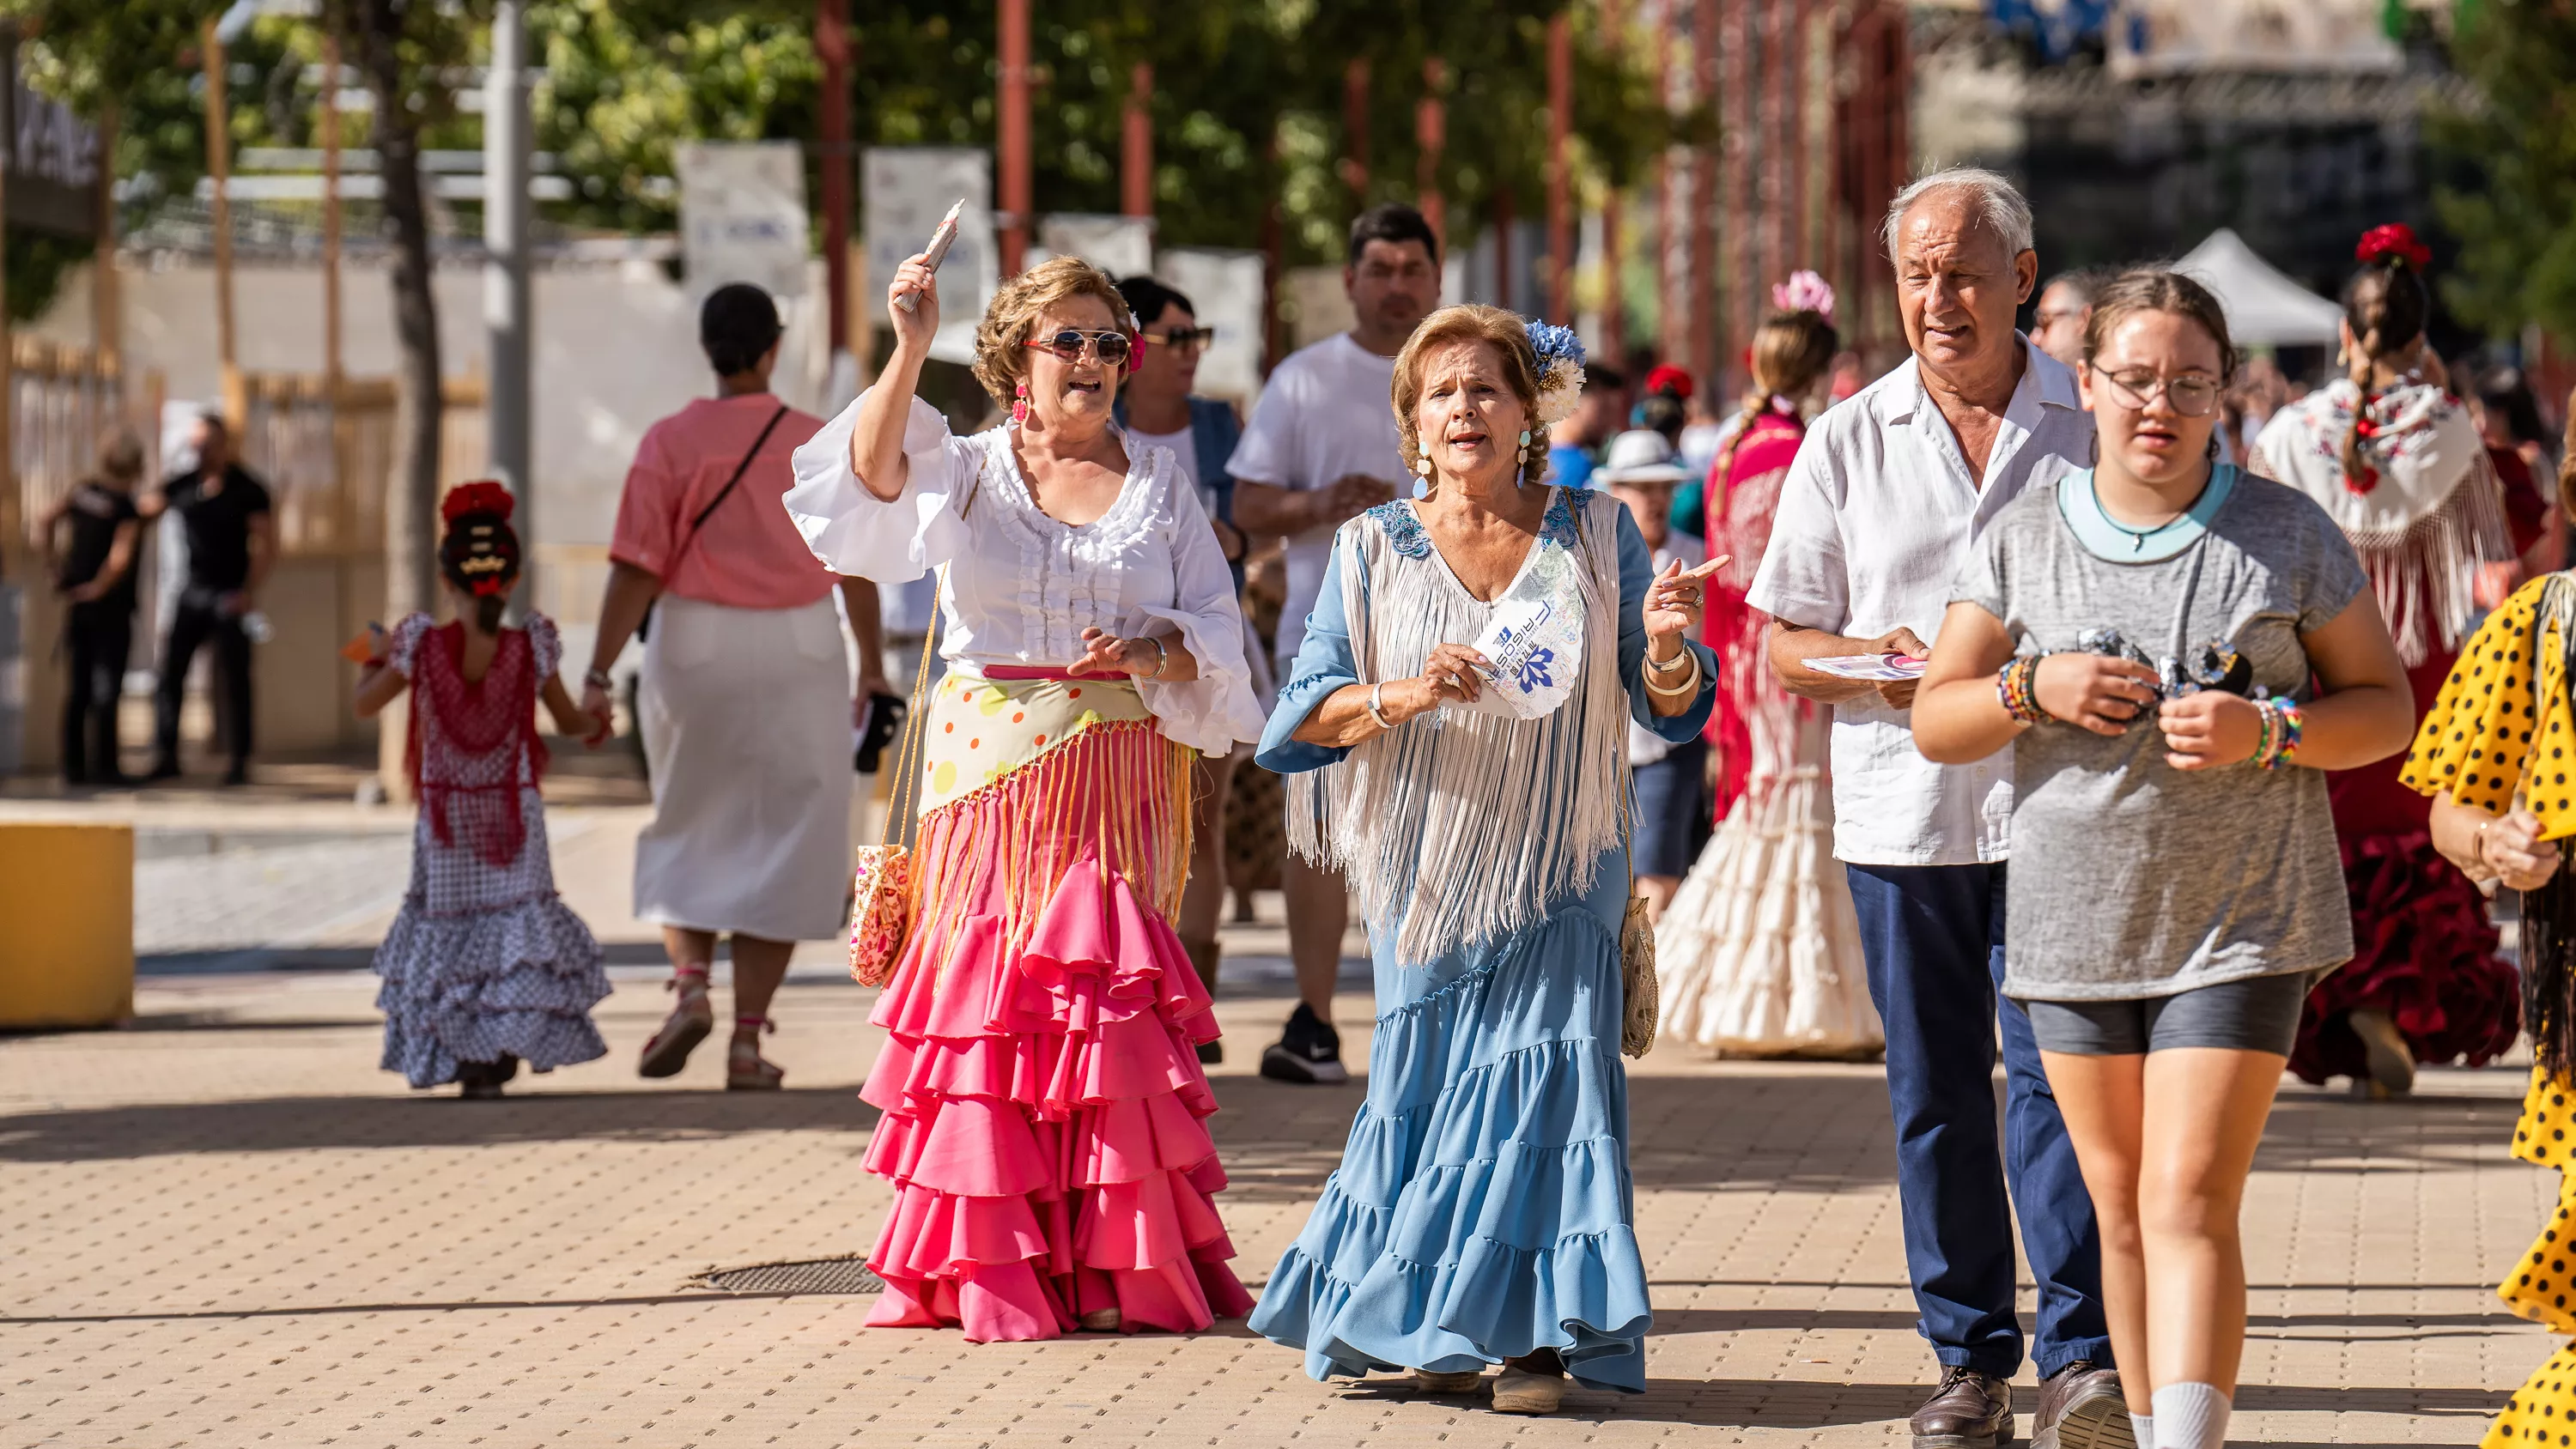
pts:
[1309, 1051]
[1211, 1053]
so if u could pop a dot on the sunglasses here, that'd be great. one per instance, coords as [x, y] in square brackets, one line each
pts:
[1071, 343]
[2136, 389]
[1185, 339]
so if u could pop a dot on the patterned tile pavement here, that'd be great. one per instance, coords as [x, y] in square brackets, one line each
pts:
[224, 1227]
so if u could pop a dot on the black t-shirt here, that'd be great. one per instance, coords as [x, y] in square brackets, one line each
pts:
[92, 520]
[218, 524]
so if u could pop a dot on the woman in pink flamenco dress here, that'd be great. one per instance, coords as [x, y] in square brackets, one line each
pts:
[1044, 1108]
[1760, 950]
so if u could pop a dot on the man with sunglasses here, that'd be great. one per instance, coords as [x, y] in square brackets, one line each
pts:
[1157, 408]
[1321, 448]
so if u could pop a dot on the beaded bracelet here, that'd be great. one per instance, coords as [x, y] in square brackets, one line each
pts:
[2016, 684]
[2290, 723]
[2267, 732]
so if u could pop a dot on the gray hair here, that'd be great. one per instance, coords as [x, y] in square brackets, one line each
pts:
[2000, 205]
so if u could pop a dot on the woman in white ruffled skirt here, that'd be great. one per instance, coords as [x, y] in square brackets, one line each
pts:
[1759, 951]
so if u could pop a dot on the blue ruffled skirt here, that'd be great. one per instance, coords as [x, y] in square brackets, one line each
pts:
[1483, 1208]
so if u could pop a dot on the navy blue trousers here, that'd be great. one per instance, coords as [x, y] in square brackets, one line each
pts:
[1934, 939]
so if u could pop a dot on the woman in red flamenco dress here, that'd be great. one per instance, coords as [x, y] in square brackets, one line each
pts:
[1044, 1109]
[2395, 459]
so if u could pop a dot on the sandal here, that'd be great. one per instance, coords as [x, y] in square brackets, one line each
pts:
[689, 1023]
[745, 1069]
[1518, 1391]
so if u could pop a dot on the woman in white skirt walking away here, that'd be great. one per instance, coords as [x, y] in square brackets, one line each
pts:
[745, 703]
[1760, 950]
[485, 968]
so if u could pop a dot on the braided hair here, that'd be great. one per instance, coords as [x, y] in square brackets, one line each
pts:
[2386, 304]
[1790, 351]
[480, 552]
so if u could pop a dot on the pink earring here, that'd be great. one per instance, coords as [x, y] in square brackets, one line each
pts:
[1020, 409]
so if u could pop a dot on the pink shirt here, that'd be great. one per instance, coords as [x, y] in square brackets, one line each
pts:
[749, 555]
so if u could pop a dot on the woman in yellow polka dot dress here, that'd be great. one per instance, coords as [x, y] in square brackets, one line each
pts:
[2498, 754]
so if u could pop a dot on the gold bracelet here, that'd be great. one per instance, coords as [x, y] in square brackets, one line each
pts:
[1661, 667]
[1689, 685]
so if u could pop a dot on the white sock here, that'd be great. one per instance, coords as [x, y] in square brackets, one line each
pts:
[2190, 1416]
[2142, 1428]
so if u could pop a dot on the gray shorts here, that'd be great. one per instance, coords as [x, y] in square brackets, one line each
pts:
[2257, 1014]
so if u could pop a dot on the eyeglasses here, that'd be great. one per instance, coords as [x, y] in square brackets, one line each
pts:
[1184, 339]
[2137, 389]
[1071, 343]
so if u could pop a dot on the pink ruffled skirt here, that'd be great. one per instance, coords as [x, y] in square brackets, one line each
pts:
[1044, 1110]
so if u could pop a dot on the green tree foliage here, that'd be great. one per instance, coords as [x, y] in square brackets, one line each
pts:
[2517, 223]
[1247, 104]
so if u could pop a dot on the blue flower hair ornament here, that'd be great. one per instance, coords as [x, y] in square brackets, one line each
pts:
[1560, 371]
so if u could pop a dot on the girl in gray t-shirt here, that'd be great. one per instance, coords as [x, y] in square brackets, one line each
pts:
[2174, 651]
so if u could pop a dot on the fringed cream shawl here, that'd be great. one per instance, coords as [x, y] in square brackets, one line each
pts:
[2428, 511]
[1461, 827]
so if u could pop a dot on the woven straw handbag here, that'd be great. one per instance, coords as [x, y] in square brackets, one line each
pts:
[881, 891]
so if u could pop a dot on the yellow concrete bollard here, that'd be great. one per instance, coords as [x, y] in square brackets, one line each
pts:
[66, 924]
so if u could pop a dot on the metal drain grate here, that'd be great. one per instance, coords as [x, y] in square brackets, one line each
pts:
[826, 1275]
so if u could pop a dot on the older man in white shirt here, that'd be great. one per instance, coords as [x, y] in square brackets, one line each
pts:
[1887, 496]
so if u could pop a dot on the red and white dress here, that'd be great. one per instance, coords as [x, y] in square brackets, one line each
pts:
[1760, 948]
[1044, 1108]
[2426, 515]
[484, 960]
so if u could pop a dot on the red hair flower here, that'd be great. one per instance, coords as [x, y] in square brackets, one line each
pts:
[482, 496]
[2396, 239]
[1671, 379]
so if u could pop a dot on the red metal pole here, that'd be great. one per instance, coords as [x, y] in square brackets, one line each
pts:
[1614, 319]
[1802, 232]
[1136, 162]
[1707, 319]
[1430, 133]
[1355, 127]
[1016, 202]
[1560, 190]
[832, 47]
[1735, 317]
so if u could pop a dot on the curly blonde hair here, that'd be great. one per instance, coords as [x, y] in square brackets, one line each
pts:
[1469, 322]
[1000, 358]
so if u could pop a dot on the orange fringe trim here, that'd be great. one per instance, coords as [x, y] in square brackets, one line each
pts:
[1119, 790]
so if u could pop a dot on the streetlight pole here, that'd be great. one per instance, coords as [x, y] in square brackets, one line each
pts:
[505, 269]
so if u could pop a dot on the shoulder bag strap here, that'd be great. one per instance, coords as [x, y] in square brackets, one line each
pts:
[695, 524]
[905, 794]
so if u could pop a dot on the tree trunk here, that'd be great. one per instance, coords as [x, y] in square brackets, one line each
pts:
[411, 504]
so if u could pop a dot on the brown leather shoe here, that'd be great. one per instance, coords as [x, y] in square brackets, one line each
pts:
[1969, 1411]
[2081, 1407]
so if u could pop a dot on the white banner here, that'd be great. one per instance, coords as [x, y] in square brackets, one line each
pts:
[742, 215]
[1225, 287]
[904, 191]
[1122, 246]
[2170, 37]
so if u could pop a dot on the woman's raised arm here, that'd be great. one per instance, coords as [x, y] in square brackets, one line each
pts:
[876, 444]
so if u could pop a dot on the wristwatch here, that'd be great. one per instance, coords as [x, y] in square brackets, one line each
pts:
[598, 678]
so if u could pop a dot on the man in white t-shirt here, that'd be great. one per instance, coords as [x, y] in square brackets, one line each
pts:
[1321, 448]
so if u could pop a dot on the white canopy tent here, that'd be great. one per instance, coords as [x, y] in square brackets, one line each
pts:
[2264, 307]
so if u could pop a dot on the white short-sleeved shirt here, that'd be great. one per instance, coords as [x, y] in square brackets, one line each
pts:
[1327, 412]
[1877, 517]
[1022, 586]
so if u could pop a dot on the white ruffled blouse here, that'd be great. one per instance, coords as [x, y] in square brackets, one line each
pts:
[1022, 586]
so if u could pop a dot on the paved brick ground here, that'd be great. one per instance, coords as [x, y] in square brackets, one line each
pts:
[224, 1227]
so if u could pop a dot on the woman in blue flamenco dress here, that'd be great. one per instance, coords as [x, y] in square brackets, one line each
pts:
[1454, 738]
